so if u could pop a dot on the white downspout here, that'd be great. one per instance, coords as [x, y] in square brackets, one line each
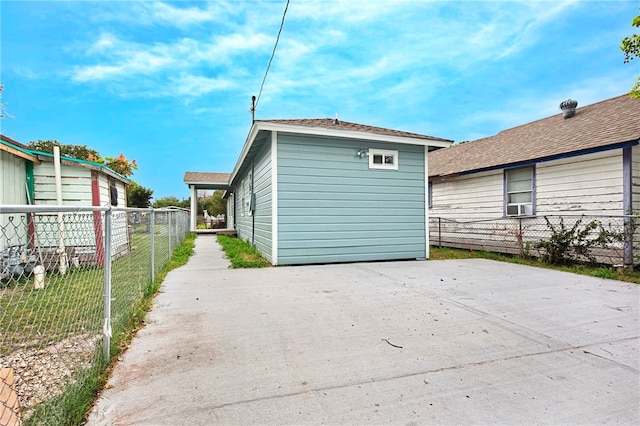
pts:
[58, 175]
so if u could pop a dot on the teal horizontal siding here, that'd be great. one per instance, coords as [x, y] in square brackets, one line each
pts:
[303, 191]
[333, 208]
[369, 221]
[256, 228]
[263, 214]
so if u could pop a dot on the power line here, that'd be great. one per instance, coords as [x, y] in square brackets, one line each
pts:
[255, 105]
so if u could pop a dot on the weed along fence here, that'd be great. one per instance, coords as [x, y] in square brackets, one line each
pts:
[70, 280]
[606, 240]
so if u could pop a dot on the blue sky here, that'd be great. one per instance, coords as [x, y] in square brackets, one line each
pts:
[170, 83]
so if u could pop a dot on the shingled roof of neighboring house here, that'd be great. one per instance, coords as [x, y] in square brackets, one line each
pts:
[597, 126]
[332, 123]
[202, 177]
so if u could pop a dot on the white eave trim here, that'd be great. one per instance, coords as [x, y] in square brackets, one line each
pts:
[322, 131]
[352, 134]
[205, 183]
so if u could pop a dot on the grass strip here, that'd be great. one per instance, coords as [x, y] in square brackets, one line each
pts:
[241, 254]
[599, 271]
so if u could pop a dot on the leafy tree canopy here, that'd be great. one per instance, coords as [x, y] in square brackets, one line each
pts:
[81, 152]
[170, 201]
[138, 195]
[118, 164]
[214, 204]
[631, 48]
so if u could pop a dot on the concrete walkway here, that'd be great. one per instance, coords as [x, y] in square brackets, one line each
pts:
[435, 342]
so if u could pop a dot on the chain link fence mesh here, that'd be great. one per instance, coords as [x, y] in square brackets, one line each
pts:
[53, 275]
[609, 240]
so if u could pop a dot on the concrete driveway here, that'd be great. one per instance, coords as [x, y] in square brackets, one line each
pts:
[424, 342]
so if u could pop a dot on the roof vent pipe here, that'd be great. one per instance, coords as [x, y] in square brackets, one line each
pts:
[568, 108]
[336, 122]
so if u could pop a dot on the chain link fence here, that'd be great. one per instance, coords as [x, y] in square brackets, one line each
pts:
[606, 240]
[70, 278]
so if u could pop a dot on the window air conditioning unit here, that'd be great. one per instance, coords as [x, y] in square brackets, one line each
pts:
[520, 210]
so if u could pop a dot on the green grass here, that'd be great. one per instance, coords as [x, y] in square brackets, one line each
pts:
[241, 254]
[72, 305]
[599, 271]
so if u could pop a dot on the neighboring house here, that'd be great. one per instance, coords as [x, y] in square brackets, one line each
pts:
[323, 190]
[84, 183]
[15, 162]
[580, 162]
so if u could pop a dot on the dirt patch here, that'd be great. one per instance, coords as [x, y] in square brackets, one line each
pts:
[42, 373]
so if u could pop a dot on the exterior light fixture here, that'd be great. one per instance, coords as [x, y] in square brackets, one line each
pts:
[362, 153]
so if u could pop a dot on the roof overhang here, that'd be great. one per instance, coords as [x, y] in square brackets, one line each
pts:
[74, 162]
[207, 185]
[18, 152]
[262, 126]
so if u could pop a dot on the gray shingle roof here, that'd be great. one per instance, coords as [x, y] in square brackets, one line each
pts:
[330, 123]
[206, 177]
[594, 126]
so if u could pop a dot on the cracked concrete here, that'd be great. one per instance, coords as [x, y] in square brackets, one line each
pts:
[418, 342]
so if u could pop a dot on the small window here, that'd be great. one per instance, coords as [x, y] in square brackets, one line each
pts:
[113, 193]
[430, 189]
[383, 159]
[519, 191]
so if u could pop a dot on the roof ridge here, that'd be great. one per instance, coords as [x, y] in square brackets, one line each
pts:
[352, 126]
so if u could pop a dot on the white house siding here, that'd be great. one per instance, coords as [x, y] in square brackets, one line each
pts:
[76, 191]
[333, 208]
[471, 206]
[13, 189]
[76, 185]
[460, 207]
[589, 184]
[255, 226]
[105, 198]
[119, 223]
[474, 196]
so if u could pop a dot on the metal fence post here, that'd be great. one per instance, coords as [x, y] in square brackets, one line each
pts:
[629, 228]
[169, 233]
[106, 328]
[153, 245]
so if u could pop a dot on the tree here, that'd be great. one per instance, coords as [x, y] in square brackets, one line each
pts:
[631, 48]
[121, 165]
[80, 152]
[3, 110]
[170, 201]
[215, 204]
[118, 164]
[138, 195]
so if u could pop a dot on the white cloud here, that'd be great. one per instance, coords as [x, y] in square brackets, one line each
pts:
[184, 17]
[195, 86]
